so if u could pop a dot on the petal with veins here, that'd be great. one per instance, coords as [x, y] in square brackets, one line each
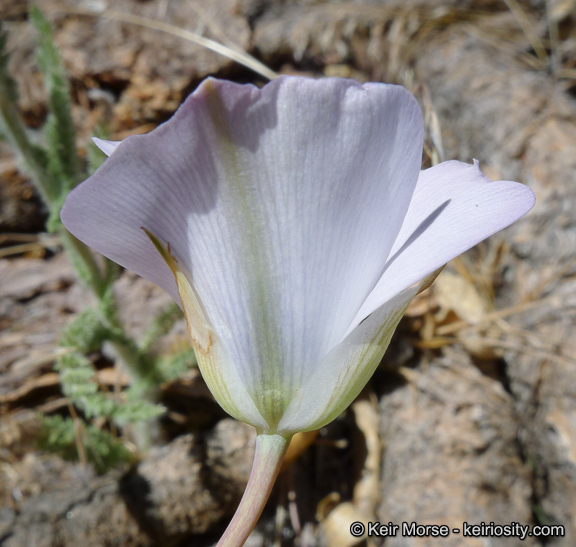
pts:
[454, 207]
[291, 222]
[274, 201]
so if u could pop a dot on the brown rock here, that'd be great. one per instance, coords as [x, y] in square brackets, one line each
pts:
[522, 123]
[450, 451]
[176, 492]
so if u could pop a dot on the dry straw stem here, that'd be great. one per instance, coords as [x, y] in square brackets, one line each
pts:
[493, 316]
[48, 380]
[528, 27]
[412, 26]
[529, 342]
[436, 19]
[491, 329]
[335, 515]
[543, 354]
[498, 39]
[29, 243]
[78, 431]
[543, 60]
[239, 56]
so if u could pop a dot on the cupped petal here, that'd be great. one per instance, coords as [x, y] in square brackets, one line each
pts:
[280, 203]
[219, 372]
[454, 207]
[344, 372]
[223, 378]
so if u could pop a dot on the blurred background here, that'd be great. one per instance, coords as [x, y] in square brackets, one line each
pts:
[471, 417]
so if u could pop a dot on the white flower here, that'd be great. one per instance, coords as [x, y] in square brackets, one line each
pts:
[294, 226]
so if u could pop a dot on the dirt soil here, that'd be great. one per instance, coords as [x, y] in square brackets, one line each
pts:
[471, 416]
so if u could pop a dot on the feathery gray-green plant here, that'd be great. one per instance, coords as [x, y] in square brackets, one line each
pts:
[55, 168]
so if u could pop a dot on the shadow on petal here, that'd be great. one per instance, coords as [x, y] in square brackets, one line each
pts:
[424, 225]
[241, 114]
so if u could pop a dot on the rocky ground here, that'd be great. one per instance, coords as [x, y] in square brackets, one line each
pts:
[471, 416]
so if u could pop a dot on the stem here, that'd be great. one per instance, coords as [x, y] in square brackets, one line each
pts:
[126, 349]
[16, 134]
[83, 258]
[33, 160]
[270, 452]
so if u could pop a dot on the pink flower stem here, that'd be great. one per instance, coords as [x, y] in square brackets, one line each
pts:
[270, 451]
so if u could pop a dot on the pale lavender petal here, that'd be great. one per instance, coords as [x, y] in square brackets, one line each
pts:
[106, 146]
[454, 207]
[281, 203]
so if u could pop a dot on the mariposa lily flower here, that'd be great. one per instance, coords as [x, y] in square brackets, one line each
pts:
[294, 226]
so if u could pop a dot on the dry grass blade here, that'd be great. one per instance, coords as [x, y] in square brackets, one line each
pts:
[432, 124]
[521, 348]
[553, 16]
[20, 249]
[240, 57]
[506, 48]
[29, 243]
[207, 20]
[48, 380]
[78, 431]
[568, 73]
[490, 317]
[528, 29]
